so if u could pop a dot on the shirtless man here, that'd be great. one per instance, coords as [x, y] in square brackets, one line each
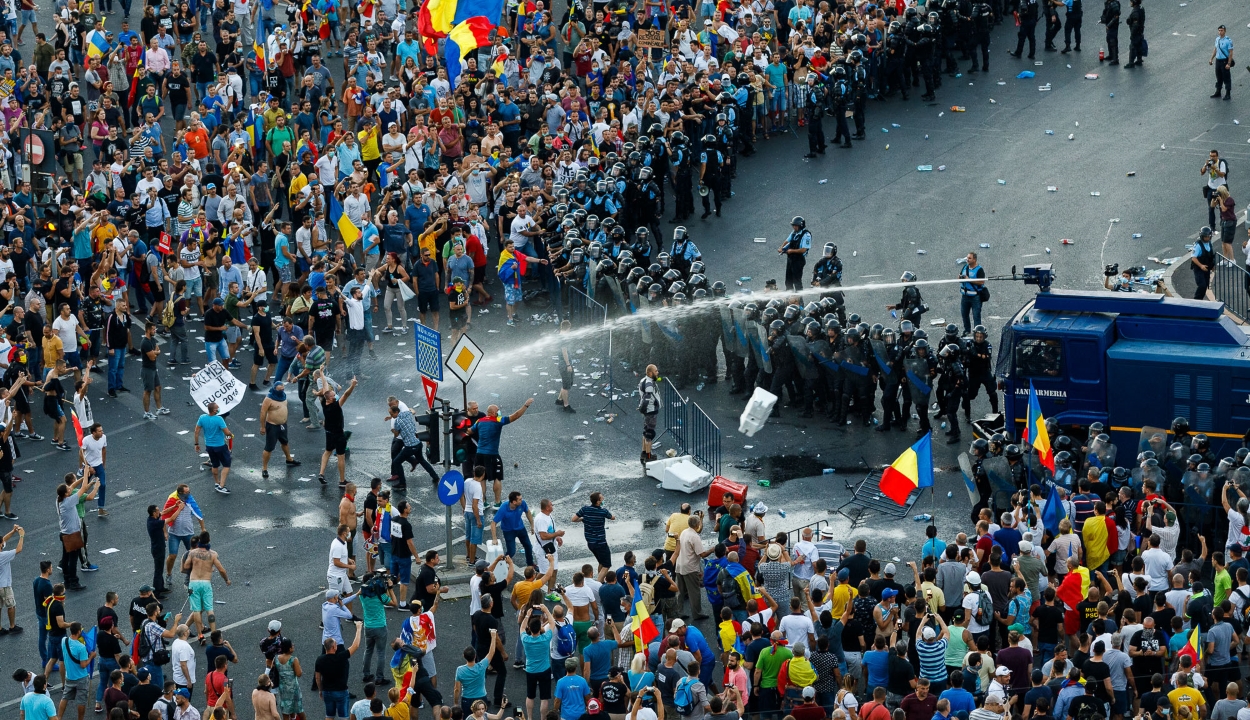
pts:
[273, 426]
[581, 600]
[347, 517]
[200, 561]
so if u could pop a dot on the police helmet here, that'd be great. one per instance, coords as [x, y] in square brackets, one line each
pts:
[718, 289]
[832, 325]
[998, 439]
[776, 326]
[770, 314]
[677, 286]
[1095, 428]
[857, 56]
[580, 215]
[697, 280]
[1180, 425]
[951, 351]
[619, 168]
[798, 222]
[1063, 442]
[679, 234]
[979, 447]
[952, 329]
[889, 335]
[812, 308]
[926, 28]
[679, 138]
[839, 71]
[644, 142]
[911, 12]
[592, 222]
[1201, 442]
[642, 234]
[921, 334]
[853, 319]
[562, 196]
[644, 174]
[699, 294]
[1120, 474]
[1013, 452]
[709, 139]
[635, 274]
[792, 312]
[875, 331]
[860, 40]
[595, 250]
[980, 330]
[672, 275]
[811, 327]
[581, 176]
[654, 270]
[1205, 231]
[657, 131]
[655, 290]
[895, 26]
[1204, 467]
[611, 158]
[830, 249]
[601, 186]
[725, 96]
[775, 303]
[1240, 456]
[908, 277]
[593, 162]
[634, 157]
[921, 344]
[853, 334]
[933, 18]
[608, 223]
[722, 117]
[561, 209]
[607, 265]
[1063, 459]
[752, 310]
[679, 298]
[698, 268]
[1194, 459]
[628, 148]
[663, 259]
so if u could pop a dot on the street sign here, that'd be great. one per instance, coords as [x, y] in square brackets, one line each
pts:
[464, 358]
[450, 488]
[429, 352]
[431, 389]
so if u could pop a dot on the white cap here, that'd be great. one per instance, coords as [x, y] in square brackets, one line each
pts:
[677, 624]
[275, 625]
[993, 698]
[1002, 670]
[1026, 547]
[928, 633]
[889, 568]
[973, 578]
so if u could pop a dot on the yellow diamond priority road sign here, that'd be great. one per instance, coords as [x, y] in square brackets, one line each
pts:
[464, 358]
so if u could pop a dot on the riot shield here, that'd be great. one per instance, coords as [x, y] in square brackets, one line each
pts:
[918, 380]
[1197, 488]
[1144, 472]
[1241, 478]
[999, 473]
[739, 330]
[729, 334]
[880, 357]
[1153, 438]
[592, 279]
[803, 357]
[970, 483]
[1101, 454]
[761, 345]
[1037, 472]
[613, 287]
[642, 309]
[1065, 478]
[669, 329]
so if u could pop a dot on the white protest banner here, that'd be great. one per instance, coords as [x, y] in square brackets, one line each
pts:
[216, 384]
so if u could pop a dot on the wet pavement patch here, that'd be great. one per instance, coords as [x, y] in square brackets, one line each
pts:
[779, 468]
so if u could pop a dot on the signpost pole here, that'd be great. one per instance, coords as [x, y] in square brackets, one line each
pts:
[445, 416]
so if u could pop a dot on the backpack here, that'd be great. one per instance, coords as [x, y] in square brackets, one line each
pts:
[566, 639]
[1086, 712]
[730, 595]
[167, 314]
[985, 608]
[683, 696]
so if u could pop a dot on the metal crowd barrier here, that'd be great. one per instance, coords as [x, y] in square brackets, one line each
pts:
[583, 311]
[1230, 283]
[693, 431]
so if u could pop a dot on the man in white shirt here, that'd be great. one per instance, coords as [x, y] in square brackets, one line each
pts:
[797, 626]
[93, 452]
[523, 226]
[802, 555]
[471, 503]
[1158, 565]
[340, 564]
[182, 657]
[549, 539]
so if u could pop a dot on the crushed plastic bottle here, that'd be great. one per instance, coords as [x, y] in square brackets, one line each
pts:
[823, 181]
[944, 425]
[764, 483]
[1071, 136]
[1067, 241]
[1002, 182]
[699, 386]
[993, 101]
[781, 512]
[1095, 193]
[924, 168]
[926, 137]
[1047, 251]
[828, 471]
[985, 245]
[1052, 188]
[895, 125]
[1112, 94]
[1050, 132]
[885, 130]
[1043, 88]
[745, 279]
[925, 517]
[941, 113]
[1131, 173]
[941, 168]
[1136, 236]
[921, 252]
[949, 495]
[1115, 220]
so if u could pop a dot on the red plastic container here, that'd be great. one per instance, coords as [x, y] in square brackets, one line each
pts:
[721, 485]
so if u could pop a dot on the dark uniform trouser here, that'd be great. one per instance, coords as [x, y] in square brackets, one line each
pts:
[1203, 280]
[844, 130]
[794, 272]
[858, 388]
[1053, 26]
[1113, 42]
[816, 134]
[860, 102]
[1134, 48]
[890, 412]
[1223, 78]
[715, 190]
[894, 77]
[782, 376]
[982, 40]
[833, 390]
[950, 406]
[978, 380]
[1072, 25]
[734, 370]
[683, 195]
[1028, 31]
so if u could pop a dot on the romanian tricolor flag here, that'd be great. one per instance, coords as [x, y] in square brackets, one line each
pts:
[640, 622]
[350, 232]
[1035, 431]
[260, 55]
[73, 416]
[170, 512]
[97, 46]
[912, 470]
[1193, 648]
[255, 128]
[437, 18]
[463, 39]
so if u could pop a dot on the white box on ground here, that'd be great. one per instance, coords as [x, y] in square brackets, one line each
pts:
[655, 468]
[494, 549]
[756, 412]
[685, 476]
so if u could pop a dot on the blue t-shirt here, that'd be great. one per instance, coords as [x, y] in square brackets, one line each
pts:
[38, 706]
[599, 655]
[281, 243]
[537, 652]
[509, 111]
[696, 642]
[959, 699]
[610, 595]
[214, 428]
[77, 653]
[472, 681]
[510, 519]
[488, 432]
[572, 690]
[878, 664]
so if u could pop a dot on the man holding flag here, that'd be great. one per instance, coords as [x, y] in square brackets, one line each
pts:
[180, 513]
[913, 470]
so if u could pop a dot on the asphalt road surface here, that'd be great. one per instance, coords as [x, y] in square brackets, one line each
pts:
[273, 536]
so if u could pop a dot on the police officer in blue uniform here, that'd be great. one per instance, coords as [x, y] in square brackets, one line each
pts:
[795, 249]
[1026, 15]
[815, 112]
[682, 177]
[841, 98]
[711, 174]
[684, 251]
[1072, 24]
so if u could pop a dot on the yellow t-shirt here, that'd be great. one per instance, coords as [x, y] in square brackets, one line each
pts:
[1187, 697]
[939, 597]
[369, 144]
[840, 597]
[676, 522]
[298, 183]
[398, 711]
[522, 590]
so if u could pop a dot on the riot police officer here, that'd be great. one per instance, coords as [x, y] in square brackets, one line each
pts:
[733, 340]
[859, 86]
[896, 51]
[1053, 24]
[952, 383]
[1027, 15]
[795, 249]
[979, 36]
[783, 363]
[980, 371]
[828, 266]
[829, 358]
[1015, 463]
[1111, 20]
[926, 50]
[815, 113]
[857, 378]
[918, 371]
[911, 306]
[682, 172]
[684, 252]
[1072, 24]
[886, 354]
[842, 98]
[977, 453]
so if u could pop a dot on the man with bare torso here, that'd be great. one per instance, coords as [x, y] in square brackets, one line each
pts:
[347, 517]
[201, 561]
[273, 427]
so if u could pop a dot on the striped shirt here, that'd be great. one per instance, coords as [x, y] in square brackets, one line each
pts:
[593, 518]
[932, 660]
[315, 359]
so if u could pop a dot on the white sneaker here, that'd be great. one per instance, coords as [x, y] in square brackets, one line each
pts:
[162, 411]
[149, 416]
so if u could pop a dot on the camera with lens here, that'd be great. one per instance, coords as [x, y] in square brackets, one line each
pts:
[395, 187]
[1111, 270]
[377, 584]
